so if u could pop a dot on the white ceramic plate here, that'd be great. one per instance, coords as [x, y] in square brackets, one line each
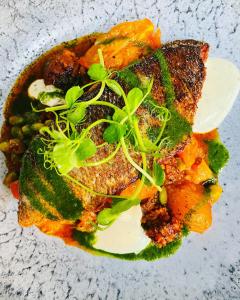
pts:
[35, 266]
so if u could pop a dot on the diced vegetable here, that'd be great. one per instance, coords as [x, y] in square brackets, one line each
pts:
[123, 44]
[191, 152]
[14, 186]
[199, 172]
[189, 203]
[215, 193]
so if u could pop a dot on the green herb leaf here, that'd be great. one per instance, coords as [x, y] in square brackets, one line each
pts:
[97, 72]
[72, 95]
[119, 115]
[57, 136]
[158, 174]
[113, 133]
[134, 98]
[86, 149]
[106, 217]
[217, 155]
[149, 145]
[77, 115]
[63, 157]
[114, 86]
[109, 215]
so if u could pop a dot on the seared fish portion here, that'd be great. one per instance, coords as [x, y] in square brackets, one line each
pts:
[44, 192]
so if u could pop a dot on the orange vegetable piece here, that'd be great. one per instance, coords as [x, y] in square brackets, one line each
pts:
[14, 187]
[189, 204]
[211, 135]
[199, 172]
[146, 192]
[215, 193]
[191, 152]
[123, 44]
[201, 220]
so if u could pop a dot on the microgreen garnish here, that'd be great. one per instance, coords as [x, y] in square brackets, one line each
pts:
[158, 174]
[67, 148]
[72, 95]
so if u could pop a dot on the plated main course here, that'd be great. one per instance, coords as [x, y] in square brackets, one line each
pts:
[111, 143]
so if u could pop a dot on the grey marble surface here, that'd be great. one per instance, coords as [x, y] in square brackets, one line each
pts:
[35, 266]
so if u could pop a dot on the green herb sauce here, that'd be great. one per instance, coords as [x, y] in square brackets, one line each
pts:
[62, 198]
[177, 127]
[129, 77]
[166, 78]
[218, 155]
[150, 253]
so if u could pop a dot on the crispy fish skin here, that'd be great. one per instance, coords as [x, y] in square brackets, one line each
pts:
[186, 64]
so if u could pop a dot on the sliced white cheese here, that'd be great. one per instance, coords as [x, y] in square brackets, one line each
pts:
[125, 235]
[219, 92]
[38, 87]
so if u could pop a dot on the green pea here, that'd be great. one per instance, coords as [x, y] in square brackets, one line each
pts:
[26, 129]
[37, 126]
[10, 177]
[48, 122]
[16, 120]
[31, 117]
[4, 146]
[16, 132]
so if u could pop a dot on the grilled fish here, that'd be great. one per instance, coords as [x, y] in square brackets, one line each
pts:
[45, 194]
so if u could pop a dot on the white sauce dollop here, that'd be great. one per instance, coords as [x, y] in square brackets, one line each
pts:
[219, 92]
[125, 235]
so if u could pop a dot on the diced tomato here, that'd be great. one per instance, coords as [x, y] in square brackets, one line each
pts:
[14, 186]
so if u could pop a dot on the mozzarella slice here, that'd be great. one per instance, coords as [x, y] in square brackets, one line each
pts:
[125, 235]
[219, 92]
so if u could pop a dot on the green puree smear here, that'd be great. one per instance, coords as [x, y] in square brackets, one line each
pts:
[218, 155]
[36, 182]
[150, 253]
[177, 127]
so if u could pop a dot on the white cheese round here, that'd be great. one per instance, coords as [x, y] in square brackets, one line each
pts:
[125, 235]
[219, 92]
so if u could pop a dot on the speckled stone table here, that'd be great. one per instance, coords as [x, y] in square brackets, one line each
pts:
[35, 266]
